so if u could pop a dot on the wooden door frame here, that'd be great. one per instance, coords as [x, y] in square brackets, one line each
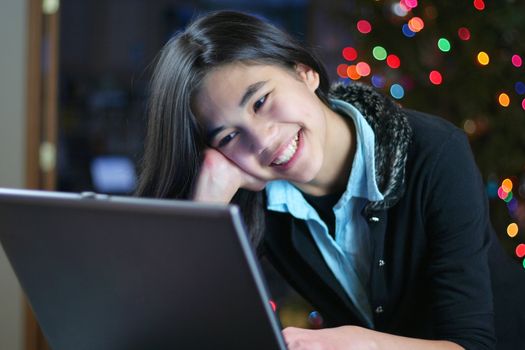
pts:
[41, 122]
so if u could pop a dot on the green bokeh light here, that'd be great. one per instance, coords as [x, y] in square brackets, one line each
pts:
[509, 197]
[444, 45]
[379, 53]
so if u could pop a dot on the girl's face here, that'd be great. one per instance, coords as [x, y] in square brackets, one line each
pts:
[266, 119]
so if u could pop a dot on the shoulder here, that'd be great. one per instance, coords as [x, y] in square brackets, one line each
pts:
[431, 127]
[432, 135]
[441, 165]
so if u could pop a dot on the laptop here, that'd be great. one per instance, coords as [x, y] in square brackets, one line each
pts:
[109, 272]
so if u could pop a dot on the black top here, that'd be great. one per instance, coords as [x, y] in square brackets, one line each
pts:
[324, 205]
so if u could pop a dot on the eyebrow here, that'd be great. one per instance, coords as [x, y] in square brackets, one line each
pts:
[250, 91]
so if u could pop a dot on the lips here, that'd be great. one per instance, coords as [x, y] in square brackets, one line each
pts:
[287, 153]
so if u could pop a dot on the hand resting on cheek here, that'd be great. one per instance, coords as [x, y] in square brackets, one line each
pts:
[219, 179]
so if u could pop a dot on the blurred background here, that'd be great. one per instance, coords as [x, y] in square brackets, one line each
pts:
[75, 81]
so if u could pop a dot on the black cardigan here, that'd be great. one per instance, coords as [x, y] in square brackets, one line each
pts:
[430, 276]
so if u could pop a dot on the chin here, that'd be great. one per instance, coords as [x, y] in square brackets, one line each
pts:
[308, 175]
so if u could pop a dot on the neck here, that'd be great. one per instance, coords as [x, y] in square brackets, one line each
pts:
[339, 150]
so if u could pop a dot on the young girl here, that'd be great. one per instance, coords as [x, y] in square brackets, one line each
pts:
[375, 214]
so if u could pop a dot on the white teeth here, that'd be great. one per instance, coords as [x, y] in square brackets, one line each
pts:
[288, 152]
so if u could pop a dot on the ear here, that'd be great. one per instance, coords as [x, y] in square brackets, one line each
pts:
[308, 75]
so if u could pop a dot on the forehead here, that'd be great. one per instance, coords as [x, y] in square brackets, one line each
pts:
[223, 88]
[241, 74]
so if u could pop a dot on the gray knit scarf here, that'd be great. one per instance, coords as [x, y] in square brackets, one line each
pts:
[392, 138]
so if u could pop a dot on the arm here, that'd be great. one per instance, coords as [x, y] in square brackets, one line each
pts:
[357, 338]
[458, 230]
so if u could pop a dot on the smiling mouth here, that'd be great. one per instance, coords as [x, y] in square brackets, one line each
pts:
[288, 152]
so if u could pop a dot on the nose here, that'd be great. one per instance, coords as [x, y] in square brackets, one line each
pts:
[261, 136]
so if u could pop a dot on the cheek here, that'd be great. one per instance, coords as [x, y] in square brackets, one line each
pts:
[306, 107]
[288, 109]
[239, 158]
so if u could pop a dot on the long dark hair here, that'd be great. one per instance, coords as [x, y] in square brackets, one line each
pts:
[174, 141]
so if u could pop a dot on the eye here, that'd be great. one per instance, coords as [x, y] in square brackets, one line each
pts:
[226, 139]
[259, 103]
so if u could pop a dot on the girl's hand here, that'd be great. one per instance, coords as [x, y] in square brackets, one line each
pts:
[340, 338]
[219, 179]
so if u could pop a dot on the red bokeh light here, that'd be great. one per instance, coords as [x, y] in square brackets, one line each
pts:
[349, 53]
[479, 5]
[520, 250]
[364, 27]
[435, 77]
[464, 33]
[341, 70]
[393, 61]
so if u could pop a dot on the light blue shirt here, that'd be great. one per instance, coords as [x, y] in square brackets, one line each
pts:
[348, 255]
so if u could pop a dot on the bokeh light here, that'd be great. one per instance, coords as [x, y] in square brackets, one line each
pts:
[364, 27]
[416, 24]
[273, 305]
[363, 69]
[378, 81]
[520, 250]
[512, 230]
[397, 91]
[411, 4]
[315, 320]
[435, 77]
[444, 45]
[492, 186]
[352, 72]
[464, 33]
[483, 58]
[504, 99]
[510, 196]
[512, 206]
[479, 5]
[399, 10]
[407, 32]
[404, 6]
[393, 61]
[379, 53]
[502, 194]
[349, 53]
[470, 128]
[519, 87]
[516, 61]
[507, 185]
[341, 70]
[523, 104]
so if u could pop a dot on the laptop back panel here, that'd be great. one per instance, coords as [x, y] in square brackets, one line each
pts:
[129, 273]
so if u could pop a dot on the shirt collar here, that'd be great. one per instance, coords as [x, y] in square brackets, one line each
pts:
[364, 183]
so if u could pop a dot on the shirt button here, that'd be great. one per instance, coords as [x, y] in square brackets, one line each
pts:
[373, 219]
[381, 262]
[379, 310]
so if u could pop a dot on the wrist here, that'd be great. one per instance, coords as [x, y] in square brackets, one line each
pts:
[366, 337]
